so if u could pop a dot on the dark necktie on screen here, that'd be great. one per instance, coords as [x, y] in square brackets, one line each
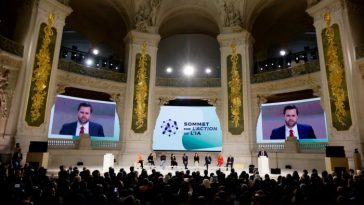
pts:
[82, 130]
[291, 133]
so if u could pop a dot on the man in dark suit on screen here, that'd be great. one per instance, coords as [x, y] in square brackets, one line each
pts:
[291, 127]
[83, 125]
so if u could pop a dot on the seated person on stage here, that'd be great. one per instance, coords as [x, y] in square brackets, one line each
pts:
[196, 160]
[163, 159]
[140, 160]
[173, 161]
[185, 160]
[291, 127]
[230, 162]
[220, 160]
[262, 152]
[151, 159]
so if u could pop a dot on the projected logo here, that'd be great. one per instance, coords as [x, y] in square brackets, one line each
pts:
[169, 127]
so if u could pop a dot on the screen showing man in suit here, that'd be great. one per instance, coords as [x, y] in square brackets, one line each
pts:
[304, 119]
[72, 116]
[291, 127]
[83, 125]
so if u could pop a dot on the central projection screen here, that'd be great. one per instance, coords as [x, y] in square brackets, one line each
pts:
[182, 128]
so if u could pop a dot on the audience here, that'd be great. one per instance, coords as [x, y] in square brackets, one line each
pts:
[28, 186]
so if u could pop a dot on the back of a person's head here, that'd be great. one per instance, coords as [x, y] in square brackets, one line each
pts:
[206, 183]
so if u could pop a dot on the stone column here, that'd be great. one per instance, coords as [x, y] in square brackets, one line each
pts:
[43, 13]
[332, 18]
[138, 128]
[237, 140]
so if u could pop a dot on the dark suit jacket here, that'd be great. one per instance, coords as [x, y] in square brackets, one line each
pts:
[95, 129]
[304, 132]
[262, 153]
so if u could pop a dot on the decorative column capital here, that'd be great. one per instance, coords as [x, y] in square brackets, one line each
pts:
[318, 10]
[60, 11]
[61, 88]
[115, 97]
[139, 38]
[241, 38]
[165, 99]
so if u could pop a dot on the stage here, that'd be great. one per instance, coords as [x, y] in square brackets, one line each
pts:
[53, 171]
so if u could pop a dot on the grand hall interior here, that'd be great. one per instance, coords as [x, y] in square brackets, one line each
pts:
[130, 92]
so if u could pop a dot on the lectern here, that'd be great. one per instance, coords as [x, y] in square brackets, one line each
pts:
[263, 165]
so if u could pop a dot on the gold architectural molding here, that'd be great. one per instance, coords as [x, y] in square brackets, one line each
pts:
[42, 72]
[141, 89]
[235, 88]
[335, 74]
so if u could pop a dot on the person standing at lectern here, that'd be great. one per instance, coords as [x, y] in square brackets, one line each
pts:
[291, 127]
[83, 125]
[262, 152]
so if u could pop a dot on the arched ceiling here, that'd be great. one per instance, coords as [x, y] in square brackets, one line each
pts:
[280, 22]
[109, 21]
[188, 21]
[100, 22]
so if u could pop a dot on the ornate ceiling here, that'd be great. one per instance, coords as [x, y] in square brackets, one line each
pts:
[108, 21]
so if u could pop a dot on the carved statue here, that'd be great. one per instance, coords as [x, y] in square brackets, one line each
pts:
[141, 19]
[154, 4]
[231, 15]
[147, 15]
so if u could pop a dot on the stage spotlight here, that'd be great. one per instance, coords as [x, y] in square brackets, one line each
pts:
[89, 62]
[104, 63]
[64, 54]
[188, 70]
[208, 70]
[95, 51]
[169, 70]
[282, 52]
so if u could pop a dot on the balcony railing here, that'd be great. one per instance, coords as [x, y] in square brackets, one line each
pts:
[74, 67]
[91, 60]
[193, 82]
[305, 147]
[74, 144]
[11, 46]
[295, 70]
[287, 61]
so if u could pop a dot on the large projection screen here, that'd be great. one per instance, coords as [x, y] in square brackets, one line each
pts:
[182, 128]
[310, 113]
[65, 111]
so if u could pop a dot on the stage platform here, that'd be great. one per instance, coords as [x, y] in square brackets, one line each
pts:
[53, 171]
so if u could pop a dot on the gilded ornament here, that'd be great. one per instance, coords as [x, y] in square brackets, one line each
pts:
[141, 89]
[335, 72]
[235, 88]
[42, 71]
